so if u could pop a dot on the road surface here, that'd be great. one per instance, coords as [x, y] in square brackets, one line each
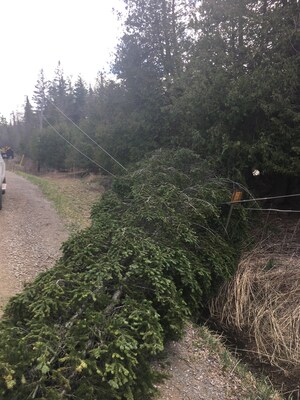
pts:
[31, 234]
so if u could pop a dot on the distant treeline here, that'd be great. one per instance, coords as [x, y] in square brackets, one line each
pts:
[218, 77]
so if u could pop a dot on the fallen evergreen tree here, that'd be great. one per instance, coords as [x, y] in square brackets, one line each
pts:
[153, 256]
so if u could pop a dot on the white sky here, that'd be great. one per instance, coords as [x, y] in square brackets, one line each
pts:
[36, 34]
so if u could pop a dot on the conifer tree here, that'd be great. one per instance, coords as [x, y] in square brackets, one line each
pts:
[80, 93]
[40, 97]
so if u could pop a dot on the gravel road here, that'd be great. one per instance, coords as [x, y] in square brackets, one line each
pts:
[31, 234]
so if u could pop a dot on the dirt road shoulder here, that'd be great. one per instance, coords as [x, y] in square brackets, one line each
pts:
[31, 234]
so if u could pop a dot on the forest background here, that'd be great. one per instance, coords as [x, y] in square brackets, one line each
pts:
[218, 77]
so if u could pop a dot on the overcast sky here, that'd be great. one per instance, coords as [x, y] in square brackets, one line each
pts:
[36, 34]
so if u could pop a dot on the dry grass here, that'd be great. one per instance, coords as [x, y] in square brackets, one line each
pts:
[262, 303]
[79, 196]
[72, 195]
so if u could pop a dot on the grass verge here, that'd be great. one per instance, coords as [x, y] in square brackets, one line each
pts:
[71, 197]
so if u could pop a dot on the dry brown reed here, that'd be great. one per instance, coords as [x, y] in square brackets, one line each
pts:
[261, 305]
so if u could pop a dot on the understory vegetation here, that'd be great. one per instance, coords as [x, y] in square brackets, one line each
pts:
[260, 305]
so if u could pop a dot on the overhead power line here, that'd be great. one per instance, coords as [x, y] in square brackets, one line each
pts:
[82, 131]
[264, 198]
[79, 151]
[273, 209]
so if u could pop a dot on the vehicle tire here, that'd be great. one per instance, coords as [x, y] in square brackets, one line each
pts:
[0, 199]
[4, 181]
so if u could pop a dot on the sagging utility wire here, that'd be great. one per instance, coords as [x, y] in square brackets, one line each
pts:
[273, 209]
[263, 198]
[79, 151]
[82, 131]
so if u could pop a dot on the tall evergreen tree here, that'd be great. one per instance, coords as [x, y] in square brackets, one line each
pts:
[241, 102]
[40, 97]
[59, 95]
[29, 117]
[79, 103]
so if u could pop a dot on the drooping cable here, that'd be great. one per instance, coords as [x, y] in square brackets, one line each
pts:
[273, 209]
[264, 198]
[82, 131]
[79, 151]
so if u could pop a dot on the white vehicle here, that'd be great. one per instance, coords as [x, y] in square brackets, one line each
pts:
[2, 179]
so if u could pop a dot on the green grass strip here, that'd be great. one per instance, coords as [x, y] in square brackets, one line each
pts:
[66, 209]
